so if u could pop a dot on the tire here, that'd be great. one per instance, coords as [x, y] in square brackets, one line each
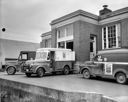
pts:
[66, 70]
[40, 72]
[28, 74]
[11, 70]
[121, 78]
[86, 74]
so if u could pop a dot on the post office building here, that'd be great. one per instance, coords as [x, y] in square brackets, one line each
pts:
[87, 33]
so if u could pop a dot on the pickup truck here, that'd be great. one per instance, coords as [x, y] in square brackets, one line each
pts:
[12, 66]
[107, 64]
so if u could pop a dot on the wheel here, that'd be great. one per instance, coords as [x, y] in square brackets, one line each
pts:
[28, 74]
[40, 72]
[66, 70]
[11, 70]
[121, 78]
[86, 74]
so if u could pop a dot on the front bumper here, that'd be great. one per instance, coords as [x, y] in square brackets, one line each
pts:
[28, 69]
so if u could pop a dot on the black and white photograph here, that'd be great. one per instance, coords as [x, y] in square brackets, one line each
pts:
[63, 50]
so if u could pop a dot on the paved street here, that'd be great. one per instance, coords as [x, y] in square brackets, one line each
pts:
[75, 82]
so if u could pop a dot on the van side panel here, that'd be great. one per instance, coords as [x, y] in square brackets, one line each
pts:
[59, 65]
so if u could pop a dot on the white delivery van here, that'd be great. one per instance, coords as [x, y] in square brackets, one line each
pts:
[50, 60]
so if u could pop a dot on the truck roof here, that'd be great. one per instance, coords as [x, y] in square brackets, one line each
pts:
[26, 51]
[53, 49]
[113, 51]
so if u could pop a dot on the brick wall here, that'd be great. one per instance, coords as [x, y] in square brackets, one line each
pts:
[124, 32]
[82, 31]
[53, 38]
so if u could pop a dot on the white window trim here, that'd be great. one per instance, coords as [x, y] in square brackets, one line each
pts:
[65, 38]
[107, 37]
[102, 37]
[117, 36]
[68, 38]
[117, 41]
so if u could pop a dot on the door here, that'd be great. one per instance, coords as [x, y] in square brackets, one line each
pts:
[98, 68]
[52, 60]
[92, 46]
[21, 61]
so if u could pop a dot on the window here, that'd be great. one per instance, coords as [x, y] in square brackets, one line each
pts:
[69, 30]
[24, 56]
[61, 33]
[42, 55]
[65, 31]
[61, 45]
[64, 36]
[111, 36]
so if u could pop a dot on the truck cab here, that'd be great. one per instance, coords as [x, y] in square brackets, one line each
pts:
[109, 64]
[50, 60]
[15, 65]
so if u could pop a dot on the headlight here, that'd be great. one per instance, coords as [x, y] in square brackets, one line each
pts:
[31, 65]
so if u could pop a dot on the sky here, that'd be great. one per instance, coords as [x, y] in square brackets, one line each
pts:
[26, 20]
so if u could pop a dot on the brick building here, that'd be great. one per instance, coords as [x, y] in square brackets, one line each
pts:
[86, 33]
[46, 40]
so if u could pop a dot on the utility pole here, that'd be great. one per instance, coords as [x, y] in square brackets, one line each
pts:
[1, 48]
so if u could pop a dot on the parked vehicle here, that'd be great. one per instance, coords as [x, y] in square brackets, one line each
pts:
[50, 60]
[12, 65]
[108, 63]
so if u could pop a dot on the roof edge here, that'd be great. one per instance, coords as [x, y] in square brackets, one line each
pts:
[114, 13]
[74, 14]
[46, 34]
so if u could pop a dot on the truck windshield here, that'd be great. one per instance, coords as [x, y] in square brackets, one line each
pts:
[23, 56]
[41, 55]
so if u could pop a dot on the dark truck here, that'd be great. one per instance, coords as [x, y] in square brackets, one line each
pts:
[108, 64]
[15, 65]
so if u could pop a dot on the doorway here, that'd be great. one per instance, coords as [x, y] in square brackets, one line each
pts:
[92, 46]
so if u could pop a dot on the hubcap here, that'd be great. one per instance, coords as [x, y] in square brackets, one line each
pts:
[66, 70]
[121, 78]
[40, 72]
[11, 70]
[86, 74]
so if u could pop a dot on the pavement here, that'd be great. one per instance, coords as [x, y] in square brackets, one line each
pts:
[75, 83]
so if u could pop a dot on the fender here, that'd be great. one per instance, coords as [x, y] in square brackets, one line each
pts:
[120, 70]
[67, 65]
[86, 68]
[39, 67]
[10, 66]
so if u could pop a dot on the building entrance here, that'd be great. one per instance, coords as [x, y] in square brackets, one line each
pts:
[92, 46]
